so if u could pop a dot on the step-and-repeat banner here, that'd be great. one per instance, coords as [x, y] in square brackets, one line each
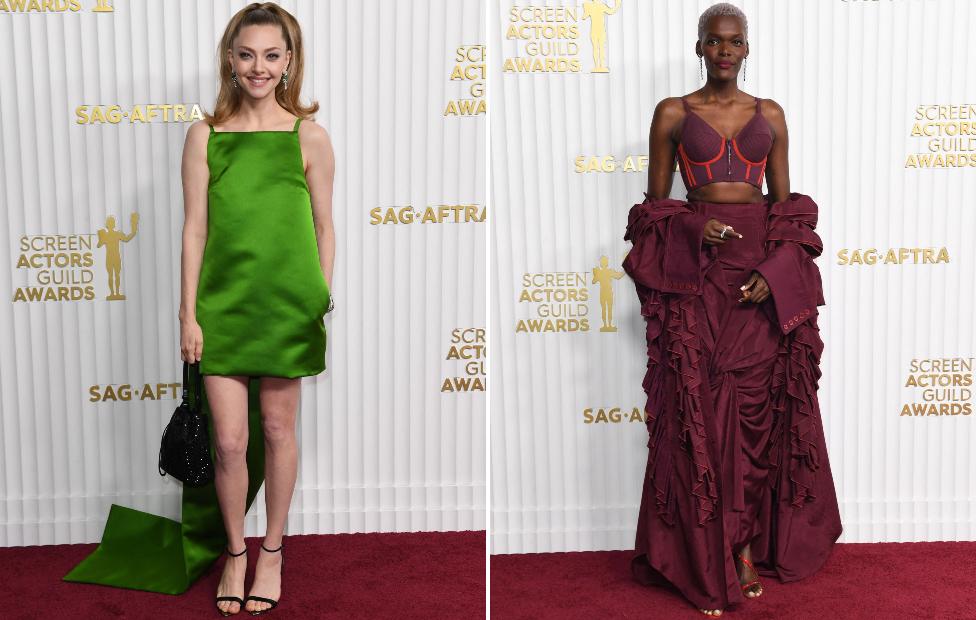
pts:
[880, 101]
[97, 101]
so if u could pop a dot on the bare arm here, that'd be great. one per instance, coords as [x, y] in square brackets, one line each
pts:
[661, 150]
[320, 176]
[196, 176]
[777, 163]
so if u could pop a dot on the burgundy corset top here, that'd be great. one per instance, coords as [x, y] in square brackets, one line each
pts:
[706, 156]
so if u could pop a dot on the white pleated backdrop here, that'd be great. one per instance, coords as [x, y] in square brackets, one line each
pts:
[850, 76]
[382, 447]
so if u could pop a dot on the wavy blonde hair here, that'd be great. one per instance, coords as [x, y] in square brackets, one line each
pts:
[228, 97]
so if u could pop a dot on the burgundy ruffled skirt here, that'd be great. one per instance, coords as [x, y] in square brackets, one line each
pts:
[736, 451]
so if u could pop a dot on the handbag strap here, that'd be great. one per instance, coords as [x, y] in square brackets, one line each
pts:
[195, 406]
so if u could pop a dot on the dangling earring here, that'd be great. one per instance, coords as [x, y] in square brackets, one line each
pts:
[701, 68]
[744, 67]
[233, 76]
[284, 78]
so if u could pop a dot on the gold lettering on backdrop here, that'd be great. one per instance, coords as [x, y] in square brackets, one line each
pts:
[545, 39]
[558, 300]
[608, 163]
[467, 348]
[112, 240]
[943, 387]
[433, 214]
[892, 256]
[62, 266]
[612, 415]
[41, 6]
[604, 277]
[139, 113]
[103, 6]
[948, 133]
[469, 66]
[125, 392]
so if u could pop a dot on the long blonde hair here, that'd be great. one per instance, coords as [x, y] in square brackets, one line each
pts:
[229, 97]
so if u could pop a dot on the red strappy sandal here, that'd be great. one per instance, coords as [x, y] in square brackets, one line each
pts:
[747, 586]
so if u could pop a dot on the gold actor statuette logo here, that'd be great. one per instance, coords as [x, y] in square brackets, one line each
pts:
[604, 276]
[596, 11]
[112, 240]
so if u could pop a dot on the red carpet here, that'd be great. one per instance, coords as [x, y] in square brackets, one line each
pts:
[416, 575]
[891, 580]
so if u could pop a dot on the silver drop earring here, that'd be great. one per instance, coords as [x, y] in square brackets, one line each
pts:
[744, 67]
[284, 78]
[701, 68]
[233, 76]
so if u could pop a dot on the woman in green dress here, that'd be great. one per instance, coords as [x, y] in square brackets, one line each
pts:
[257, 259]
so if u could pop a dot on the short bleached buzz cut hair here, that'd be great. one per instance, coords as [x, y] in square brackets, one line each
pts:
[722, 8]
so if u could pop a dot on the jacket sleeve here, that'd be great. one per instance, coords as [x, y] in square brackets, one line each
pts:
[789, 268]
[667, 254]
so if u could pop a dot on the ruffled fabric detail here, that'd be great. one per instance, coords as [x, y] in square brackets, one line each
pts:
[680, 349]
[684, 356]
[796, 376]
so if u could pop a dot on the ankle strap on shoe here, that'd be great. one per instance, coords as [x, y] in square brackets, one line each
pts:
[280, 547]
[236, 555]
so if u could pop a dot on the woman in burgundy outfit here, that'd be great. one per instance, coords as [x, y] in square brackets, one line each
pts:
[738, 483]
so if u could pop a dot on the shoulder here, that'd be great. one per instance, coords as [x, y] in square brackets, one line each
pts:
[668, 113]
[198, 131]
[775, 116]
[196, 139]
[772, 110]
[317, 145]
[669, 108]
[314, 135]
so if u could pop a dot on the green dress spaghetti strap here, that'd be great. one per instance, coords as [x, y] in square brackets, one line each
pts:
[260, 304]
[262, 296]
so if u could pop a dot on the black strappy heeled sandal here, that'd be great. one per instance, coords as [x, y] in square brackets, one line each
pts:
[261, 599]
[232, 599]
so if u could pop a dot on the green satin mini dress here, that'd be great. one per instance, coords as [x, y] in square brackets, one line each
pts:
[262, 298]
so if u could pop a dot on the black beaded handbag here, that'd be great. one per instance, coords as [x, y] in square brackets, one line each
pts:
[184, 451]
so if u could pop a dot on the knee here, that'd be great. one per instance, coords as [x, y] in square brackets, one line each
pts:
[231, 448]
[279, 430]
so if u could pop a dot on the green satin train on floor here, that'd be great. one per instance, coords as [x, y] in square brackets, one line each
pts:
[143, 551]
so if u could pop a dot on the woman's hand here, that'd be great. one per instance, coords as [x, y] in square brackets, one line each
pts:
[191, 341]
[713, 232]
[755, 289]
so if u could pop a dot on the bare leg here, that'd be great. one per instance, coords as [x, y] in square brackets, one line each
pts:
[227, 397]
[279, 408]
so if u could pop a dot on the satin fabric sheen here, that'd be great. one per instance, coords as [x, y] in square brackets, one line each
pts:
[736, 451]
[262, 296]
